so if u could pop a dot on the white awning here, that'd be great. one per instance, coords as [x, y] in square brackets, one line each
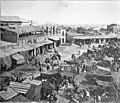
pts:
[19, 58]
[20, 87]
[35, 82]
[48, 42]
[54, 38]
[36, 45]
[27, 47]
[109, 58]
[103, 68]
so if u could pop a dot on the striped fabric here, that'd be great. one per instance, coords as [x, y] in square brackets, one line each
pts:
[20, 87]
[35, 82]
[20, 90]
[103, 83]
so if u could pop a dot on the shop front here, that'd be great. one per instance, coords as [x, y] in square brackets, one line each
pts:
[55, 40]
[27, 53]
[48, 44]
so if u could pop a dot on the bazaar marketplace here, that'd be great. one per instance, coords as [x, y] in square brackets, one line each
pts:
[53, 52]
[92, 77]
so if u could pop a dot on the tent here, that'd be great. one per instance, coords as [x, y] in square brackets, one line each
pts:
[19, 98]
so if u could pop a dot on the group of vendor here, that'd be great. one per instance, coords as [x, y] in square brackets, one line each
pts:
[50, 62]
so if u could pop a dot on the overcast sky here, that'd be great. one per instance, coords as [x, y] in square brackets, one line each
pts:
[64, 12]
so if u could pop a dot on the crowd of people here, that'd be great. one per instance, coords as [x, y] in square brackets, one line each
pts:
[67, 86]
[50, 62]
[107, 55]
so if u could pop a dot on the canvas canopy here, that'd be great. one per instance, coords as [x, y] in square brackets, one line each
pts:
[20, 87]
[103, 68]
[26, 47]
[54, 38]
[19, 58]
[34, 82]
[37, 45]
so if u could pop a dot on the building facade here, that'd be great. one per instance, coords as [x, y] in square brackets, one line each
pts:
[9, 24]
[114, 28]
[99, 39]
[33, 36]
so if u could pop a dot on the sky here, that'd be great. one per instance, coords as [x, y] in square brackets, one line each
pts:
[64, 12]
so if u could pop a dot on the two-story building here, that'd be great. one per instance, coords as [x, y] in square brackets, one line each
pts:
[95, 39]
[114, 28]
[28, 39]
[11, 22]
[58, 35]
[26, 36]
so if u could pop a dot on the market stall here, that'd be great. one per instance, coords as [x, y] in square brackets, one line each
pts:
[22, 88]
[19, 98]
[6, 95]
[19, 58]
